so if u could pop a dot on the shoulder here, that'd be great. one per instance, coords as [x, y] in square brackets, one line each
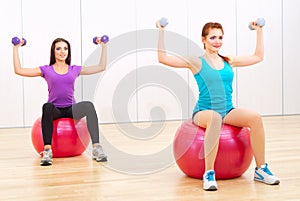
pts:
[231, 61]
[76, 68]
[45, 68]
[195, 63]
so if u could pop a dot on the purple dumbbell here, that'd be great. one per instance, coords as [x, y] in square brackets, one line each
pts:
[95, 40]
[16, 41]
[103, 39]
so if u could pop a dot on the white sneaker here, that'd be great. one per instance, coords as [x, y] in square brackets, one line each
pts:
[209, 181]
[98, 154]
[263, 174]
[47, 158]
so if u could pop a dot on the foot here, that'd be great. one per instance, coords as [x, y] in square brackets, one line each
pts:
[47, 158]
[263, 174]
[98, 154]
[209, 181]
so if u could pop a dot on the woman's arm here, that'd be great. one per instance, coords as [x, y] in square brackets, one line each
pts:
[88, 70]
[258, 56]
[172, 61]
[28, 72]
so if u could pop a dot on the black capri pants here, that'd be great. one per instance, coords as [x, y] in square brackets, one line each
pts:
[76, 111]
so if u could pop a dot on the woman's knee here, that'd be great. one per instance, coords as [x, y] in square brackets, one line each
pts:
[215, 118]
[48, 107]
[255, 119]
[208, 118]
[88, 105]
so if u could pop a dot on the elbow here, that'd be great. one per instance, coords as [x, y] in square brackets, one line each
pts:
[18, 72]
[161, 59]
[102, 68]
[260, 58]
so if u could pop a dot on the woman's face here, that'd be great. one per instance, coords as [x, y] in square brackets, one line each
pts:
[61, 51]
[214, 40]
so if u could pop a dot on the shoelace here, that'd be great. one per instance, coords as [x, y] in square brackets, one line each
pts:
[210, 176]
[99, 151]
[266, 170]
[46, 154]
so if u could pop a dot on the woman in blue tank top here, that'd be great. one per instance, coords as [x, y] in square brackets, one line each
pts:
[214, 75]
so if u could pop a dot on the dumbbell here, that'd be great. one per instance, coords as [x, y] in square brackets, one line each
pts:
[103, 39]
[163, 22]
[16, 41]
[259, 22]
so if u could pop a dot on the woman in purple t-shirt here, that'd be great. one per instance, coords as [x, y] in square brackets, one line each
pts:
[60, 76]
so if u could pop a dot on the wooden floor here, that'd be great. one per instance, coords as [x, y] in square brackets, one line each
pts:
[80, 178]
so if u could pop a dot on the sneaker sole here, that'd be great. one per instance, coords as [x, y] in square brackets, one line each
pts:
[211, 188]
[46, 164]
[273, 183]
[102, 160]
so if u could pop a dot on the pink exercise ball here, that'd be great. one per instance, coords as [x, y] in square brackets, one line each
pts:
[70, 137]
[234, 154]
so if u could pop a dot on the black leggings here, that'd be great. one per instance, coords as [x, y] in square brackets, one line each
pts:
[76, 111]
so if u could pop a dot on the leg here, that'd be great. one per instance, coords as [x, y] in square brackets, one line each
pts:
[87, 109]
[50, 112]
[252, 120]
[212, 121]
[247, 118]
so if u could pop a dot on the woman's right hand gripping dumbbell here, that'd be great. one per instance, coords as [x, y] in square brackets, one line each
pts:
[18, 41]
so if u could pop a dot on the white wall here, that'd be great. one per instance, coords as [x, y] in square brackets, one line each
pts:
[11, 86]
[291, 62]
[126, 91]
[260, 86]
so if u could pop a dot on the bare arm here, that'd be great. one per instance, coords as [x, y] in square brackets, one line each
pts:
[88, 70]
[258, 56]
[28, 72]
[172, 61]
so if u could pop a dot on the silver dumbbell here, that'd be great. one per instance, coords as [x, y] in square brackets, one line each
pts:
[259, 22]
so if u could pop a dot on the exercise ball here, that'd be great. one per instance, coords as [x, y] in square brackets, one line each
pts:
[70, 137]
[234, 153]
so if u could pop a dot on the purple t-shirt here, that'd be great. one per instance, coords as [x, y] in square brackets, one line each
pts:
[61, 86]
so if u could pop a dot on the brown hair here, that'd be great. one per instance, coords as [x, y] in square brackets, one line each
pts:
[205, 31]
[52, 53]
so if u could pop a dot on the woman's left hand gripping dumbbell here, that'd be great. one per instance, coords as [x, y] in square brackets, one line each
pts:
[98, 40]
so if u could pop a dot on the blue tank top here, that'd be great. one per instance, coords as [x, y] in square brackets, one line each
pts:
[215, 88]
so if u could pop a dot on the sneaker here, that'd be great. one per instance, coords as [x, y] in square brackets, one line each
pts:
[209, 181]
[98, 154]
[47, 157]
[263, 174]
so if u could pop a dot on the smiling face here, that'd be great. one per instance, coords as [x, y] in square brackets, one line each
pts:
[61, 51]
[213, 41]
[212, 36]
